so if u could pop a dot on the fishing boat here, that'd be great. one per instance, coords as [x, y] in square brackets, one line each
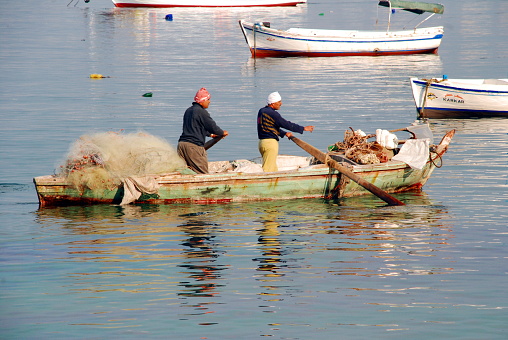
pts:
[264, 41]
[206, 3]
[460, 98]
[242, 180]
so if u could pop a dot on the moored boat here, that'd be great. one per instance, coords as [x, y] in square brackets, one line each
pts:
[264, 41]
[460, 98]
[206, 3]
[240, 181]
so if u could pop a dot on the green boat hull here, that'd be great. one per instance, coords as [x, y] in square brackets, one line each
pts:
[313, 181]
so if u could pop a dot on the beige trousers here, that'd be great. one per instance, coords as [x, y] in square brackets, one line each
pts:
[269, 149]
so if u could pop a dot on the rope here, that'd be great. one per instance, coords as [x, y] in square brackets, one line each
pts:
[438, 156]
[429, 81]
[254, 38]
[327, 159]
[357, 149]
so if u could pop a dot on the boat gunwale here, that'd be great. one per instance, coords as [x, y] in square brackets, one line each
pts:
[418, 81]
[319, 170]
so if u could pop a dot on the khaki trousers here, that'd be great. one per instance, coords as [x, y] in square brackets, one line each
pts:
[269, 149]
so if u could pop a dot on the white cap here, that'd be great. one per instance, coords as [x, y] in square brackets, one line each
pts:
[273, 97]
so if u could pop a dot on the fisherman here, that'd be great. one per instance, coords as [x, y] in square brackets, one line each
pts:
[269, 124]
[197, 125]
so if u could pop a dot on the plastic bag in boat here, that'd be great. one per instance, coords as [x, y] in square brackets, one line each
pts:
[414, 152]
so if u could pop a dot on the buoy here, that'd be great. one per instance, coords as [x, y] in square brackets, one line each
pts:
[169, 17]
[148, 94]
[321, 14]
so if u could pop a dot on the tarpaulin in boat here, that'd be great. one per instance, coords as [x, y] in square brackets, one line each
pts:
[134, 187]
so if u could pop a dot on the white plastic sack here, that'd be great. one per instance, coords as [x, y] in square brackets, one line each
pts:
[414, 152]
[386, 139]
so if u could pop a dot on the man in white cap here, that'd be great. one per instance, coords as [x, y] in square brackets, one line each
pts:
[270, 124]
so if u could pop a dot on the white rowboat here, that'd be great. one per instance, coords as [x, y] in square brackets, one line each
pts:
[264, 41]
[460, 98]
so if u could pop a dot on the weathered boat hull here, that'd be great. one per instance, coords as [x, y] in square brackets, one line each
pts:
[460, 98]
[224, 188]
[206, 3]
[310, 182]
[295, 42]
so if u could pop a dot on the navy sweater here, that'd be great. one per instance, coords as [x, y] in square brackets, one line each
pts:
[197, 125]
[270, 123]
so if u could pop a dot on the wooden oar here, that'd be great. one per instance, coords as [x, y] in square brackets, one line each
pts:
[321, 156]
[212, 142]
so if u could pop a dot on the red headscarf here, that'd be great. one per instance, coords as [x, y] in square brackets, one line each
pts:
[201, 95]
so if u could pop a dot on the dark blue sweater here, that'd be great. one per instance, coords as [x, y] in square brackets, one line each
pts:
[197, 125]
[270, 123]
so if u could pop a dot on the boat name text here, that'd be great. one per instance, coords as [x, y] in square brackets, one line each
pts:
[453, 98]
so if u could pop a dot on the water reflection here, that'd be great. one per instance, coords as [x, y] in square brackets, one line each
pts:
[472, 126]
[148, 25]
[146, 249]
[270, 247]
[354, 67]
[194, 261]
[200, 266]
[476, 168]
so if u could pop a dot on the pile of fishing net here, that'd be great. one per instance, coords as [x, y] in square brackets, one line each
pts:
[102, 160]
[356, 148]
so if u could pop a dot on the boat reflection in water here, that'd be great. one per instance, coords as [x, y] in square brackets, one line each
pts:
[194, 262]
[356, 68]
[200, 264]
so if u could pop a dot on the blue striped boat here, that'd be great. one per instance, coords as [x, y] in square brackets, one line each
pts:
[460, 98]
[265, 41]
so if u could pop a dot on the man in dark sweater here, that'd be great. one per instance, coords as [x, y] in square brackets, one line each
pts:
[197, 125]
[269, 124]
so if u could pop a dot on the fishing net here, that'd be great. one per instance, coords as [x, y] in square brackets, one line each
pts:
[356, 148]
[101, 160]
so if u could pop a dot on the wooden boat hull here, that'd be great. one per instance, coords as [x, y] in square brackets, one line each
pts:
[206, 3]
[295, 42]
[314, 181]
[460, 98]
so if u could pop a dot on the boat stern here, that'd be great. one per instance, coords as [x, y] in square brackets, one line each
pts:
[53, 190]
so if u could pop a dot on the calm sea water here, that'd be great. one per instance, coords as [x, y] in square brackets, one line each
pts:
[302, 269]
